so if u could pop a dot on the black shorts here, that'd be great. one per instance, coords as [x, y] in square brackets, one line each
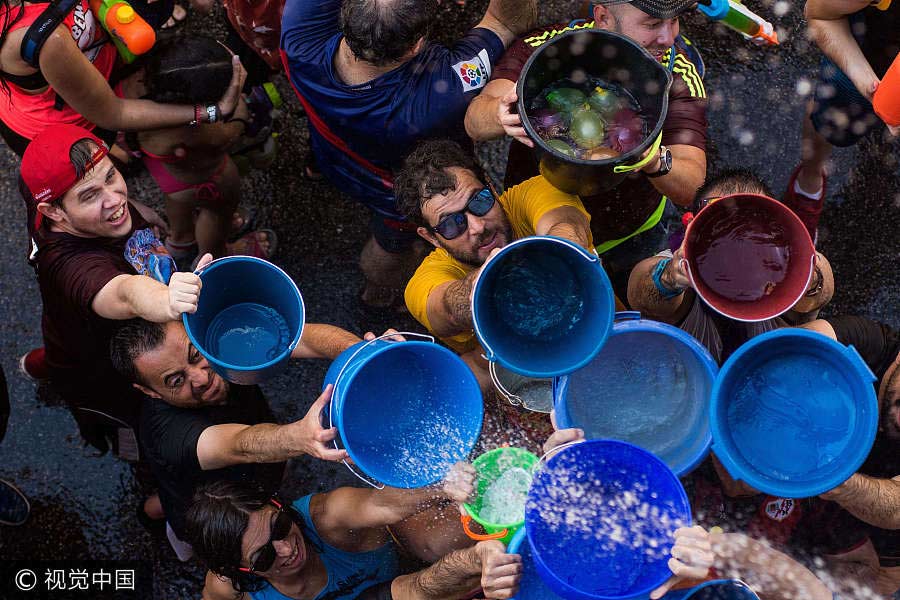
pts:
[392, 235]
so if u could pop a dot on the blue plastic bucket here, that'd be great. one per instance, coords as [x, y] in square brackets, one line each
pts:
[405, 411]
[249, 318]
[600, 519]
[531, 586]
[719, 589]
[542, 307]
[793, 413]
[650, 385]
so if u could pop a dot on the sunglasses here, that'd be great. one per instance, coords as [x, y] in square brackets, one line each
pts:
[455, 224]
[281, 527]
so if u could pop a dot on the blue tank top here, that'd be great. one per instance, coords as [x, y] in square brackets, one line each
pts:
[349, 573]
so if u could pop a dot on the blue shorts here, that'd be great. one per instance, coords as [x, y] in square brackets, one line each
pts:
[393, 235]
[840, 113]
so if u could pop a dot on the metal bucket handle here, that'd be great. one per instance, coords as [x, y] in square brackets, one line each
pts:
[554, 450]
[513, 399]
[654, 150]
[361, 476]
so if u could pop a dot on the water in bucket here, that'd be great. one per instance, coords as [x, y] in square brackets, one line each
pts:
[752, 233]
[800, 398]
[504, 499]
[537, 297]
[591, 119]
[247, 334]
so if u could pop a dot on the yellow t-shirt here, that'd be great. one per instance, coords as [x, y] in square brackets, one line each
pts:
[524, 206]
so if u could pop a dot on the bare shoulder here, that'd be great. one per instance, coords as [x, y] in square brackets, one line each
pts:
[217, 587]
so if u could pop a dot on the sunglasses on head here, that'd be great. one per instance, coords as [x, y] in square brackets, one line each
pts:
[455, 224]
[281, 527]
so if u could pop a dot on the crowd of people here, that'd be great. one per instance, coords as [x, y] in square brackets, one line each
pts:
[393, 117]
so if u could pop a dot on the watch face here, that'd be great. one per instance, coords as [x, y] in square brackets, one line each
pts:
[667, 160]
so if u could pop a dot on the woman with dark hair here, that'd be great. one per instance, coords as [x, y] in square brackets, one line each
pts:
[332, 546]
[70, 81]
[191, 164]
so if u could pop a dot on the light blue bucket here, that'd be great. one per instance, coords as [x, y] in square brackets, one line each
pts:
[650, 385]
[405, 411]
[542, 307]
[249, 318]
[793, 413]
[531, 586]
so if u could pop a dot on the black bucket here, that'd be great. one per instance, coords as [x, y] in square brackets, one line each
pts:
[604, 55]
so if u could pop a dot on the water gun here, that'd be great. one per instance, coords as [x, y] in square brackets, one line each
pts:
[738, 17]
[131, 34]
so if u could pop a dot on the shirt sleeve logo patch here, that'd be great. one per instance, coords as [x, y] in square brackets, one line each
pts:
[473, 73]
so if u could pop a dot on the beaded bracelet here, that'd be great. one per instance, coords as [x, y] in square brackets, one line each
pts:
[664, 291]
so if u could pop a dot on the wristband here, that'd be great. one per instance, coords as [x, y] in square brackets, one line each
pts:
[212, 113]
[198, 116]
[664, 291]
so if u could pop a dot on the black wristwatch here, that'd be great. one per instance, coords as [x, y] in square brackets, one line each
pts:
[665, 163]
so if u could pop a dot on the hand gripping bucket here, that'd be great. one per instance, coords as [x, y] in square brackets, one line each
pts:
[749, 257]
[650, 385]
[405, 411]
[793, 413]
[489, 467]
[542, 307]
[249, 318]
[719, 589]
[531, 586]
[605, 55]
[600, 520]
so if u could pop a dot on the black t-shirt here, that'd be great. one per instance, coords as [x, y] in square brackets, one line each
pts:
[878, 345]
[169, 437]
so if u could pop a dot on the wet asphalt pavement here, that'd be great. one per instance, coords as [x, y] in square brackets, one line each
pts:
[83, 505]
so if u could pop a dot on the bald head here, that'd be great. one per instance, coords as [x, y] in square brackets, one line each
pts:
[382, 32]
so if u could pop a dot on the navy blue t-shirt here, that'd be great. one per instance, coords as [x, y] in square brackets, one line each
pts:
[380, 121]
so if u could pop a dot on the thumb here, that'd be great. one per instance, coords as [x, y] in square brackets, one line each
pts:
[323, 399]
[204, 260]
[664, 588]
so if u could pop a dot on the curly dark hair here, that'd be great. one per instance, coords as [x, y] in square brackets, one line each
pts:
[424, 174]
[215, 524]
[383, 31]
[131, 339]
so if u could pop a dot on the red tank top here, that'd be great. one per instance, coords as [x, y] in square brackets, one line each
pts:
[29, 114]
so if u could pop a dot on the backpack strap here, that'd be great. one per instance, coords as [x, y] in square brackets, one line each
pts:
[41, 29]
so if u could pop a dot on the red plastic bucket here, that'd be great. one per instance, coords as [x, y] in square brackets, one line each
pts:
[749, 257]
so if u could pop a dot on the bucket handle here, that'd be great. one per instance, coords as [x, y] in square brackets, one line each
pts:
[466, 519]
[554, 450]
[628, 315]
[362, 477]
[513, 399]
[654, 150]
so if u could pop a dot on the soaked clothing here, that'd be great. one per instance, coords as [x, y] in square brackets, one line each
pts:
[259, 25]
[361, 133]
[71, 271]
[805, 528]
[28, 114]
[169, 436]
[349, 573]
[621, 211]
[879, 346]
[524, 206]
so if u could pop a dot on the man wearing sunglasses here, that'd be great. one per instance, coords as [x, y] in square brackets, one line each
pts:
[197, 427]
[442, 190]
[334, 545]
[636, 213]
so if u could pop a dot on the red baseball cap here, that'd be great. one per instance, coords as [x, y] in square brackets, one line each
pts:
[47, 167]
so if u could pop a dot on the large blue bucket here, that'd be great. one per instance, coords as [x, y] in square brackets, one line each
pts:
[793, 413]
[542, 307]
[405, 411]
[600, 519]
[719, 589]
[531, 586]
[650, 385]
[249, 319]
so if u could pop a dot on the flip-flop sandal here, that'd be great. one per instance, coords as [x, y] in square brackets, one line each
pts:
[249, 245]
[175, 22]
[14, 506]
